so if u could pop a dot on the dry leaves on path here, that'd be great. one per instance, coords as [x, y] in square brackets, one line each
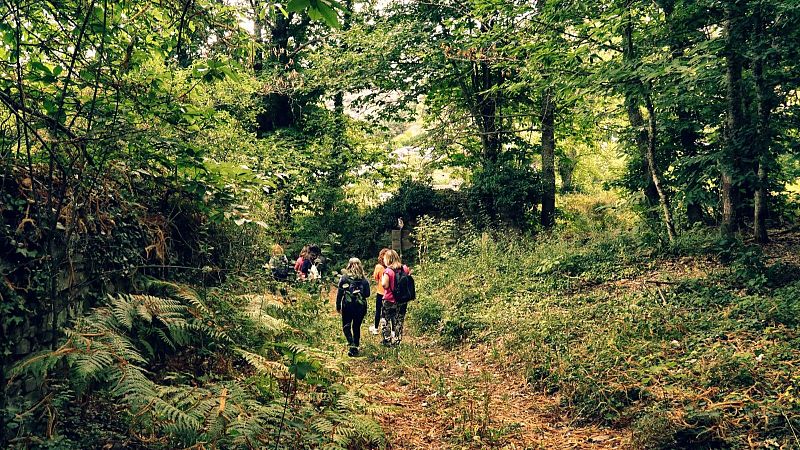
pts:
[464, 399]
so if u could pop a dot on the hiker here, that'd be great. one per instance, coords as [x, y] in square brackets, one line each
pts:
[377, 275]
[351, 302]
[300, 262]
[314, 264]
[393, 312]
[279, 264]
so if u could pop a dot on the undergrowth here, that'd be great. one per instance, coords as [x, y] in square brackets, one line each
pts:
[690, 346]
[174, 368]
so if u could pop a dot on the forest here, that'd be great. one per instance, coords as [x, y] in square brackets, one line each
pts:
[598, 202]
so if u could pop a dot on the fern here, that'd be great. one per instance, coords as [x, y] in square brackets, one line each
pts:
[257, 308]
[110, 350]
[184, 293]
[264, 365]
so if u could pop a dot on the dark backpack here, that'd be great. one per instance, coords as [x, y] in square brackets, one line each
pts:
[280, 269]
[352, 292]
[404, 290]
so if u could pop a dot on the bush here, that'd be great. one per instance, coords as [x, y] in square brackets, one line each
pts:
[462, 322]
[690, 362]
[505, 195]
[181, 379]
[428, 315]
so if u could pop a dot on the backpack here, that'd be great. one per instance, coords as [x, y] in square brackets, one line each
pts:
[320, 262]
[280, 267]
[313, 273]
[352, 292]
[404, 290]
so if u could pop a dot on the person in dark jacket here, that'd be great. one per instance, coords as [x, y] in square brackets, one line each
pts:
[351, 303]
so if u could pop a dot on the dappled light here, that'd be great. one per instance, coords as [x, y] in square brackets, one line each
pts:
[346, 224]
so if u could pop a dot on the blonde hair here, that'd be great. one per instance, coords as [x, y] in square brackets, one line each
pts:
[381, 255]
[392, 259]
[277, 250]
[304, 251]
[355, 269]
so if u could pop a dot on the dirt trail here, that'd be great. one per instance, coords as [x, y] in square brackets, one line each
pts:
[439, 398]
[470, 397]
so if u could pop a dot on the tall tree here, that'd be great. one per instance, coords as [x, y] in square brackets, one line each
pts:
[548, 159]
[635, 91]
[736, 131]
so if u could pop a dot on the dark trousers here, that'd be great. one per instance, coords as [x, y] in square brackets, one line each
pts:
[352, 316]
[378, 306]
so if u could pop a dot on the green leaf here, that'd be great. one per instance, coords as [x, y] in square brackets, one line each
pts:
[328, 15]
[297, 5]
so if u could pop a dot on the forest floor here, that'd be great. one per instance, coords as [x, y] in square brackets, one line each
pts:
[474, 395]
[465, 397]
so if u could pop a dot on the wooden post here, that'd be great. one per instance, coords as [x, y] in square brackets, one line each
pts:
[400, 225]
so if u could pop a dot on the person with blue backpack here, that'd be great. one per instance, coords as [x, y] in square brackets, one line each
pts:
[399, 289]
[351, 303]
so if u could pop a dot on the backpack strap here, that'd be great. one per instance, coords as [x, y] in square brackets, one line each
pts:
[393, 283]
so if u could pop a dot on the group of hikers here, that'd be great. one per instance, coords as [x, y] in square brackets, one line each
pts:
[394, 289]
[308, 266]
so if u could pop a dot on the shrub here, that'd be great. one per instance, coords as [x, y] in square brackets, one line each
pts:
[428, 315]
[169, 362]
[504, 194]
[687, 362]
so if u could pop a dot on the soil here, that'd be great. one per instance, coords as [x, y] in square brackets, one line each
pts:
[466, 398]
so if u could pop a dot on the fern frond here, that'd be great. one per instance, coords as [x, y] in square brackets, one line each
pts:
[322, 426]
[90, 365]
[39, 364]
[123, 311]
[264, 365]
[261, 301]
[184, 293]
[133, 385]
[164, 338]
[267, 322]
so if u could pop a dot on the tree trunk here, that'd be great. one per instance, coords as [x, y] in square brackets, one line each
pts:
[762, 142]
[258, 35]
[280, 109]
[548, 160]
[735, 121]
[183, 42]
[484, 106]
[491, 140]
[338, 98]
[652, 137]
[687, 116]
[760, 204]
[635, 115]
[566, 170]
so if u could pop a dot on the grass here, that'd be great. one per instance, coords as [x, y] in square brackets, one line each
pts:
[691, 346]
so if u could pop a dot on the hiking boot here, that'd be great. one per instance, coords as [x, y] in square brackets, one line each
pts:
[386, 343]
[353, 352]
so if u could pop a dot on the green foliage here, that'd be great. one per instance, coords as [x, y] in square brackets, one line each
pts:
[435, 238]
[504, 195]
[159, 357]
[142, 139]
[626, 336]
